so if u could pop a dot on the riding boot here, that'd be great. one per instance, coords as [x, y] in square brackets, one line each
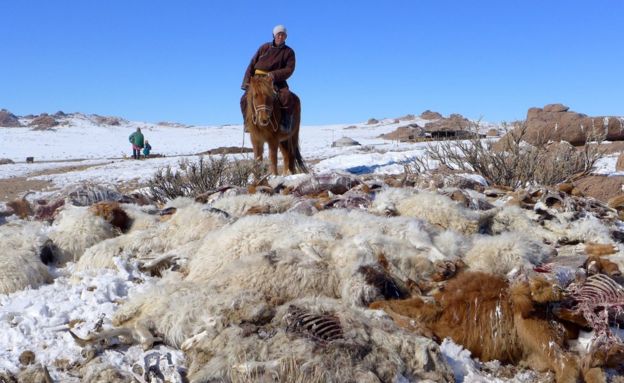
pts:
[243, 106]
[286, 122]
[245, 125]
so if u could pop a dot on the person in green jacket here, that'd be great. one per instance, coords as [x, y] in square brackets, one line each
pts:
[136, 139]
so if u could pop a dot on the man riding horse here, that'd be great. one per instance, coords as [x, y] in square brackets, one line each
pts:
[276, 60]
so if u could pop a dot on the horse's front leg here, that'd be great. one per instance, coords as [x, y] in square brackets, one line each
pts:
[273, 156]
[258, 149]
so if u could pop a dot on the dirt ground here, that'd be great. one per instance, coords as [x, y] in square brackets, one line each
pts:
[14, 188]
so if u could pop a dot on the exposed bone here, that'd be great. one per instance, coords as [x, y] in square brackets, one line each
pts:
[323, 328]
[140, 334]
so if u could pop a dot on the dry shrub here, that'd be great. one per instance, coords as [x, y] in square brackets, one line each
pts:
[205, 175]
[514, 163]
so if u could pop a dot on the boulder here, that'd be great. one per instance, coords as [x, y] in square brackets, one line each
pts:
[5, 161]
[600, 187]
[8, 119]
[372, 121]
[554, 108]
[344, 141]
[555, 122]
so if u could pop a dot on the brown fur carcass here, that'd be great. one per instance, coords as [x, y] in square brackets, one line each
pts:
[496, 320]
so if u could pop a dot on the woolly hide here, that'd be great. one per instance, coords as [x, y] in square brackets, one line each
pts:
[254, 234]
[280, 275]
[177, 310]
[407, 261]
[355, 222]
[434, 208]
[513, 218]
[20, 263]
[181, 233]
[75, 230]
[372, 349]
[503, 253]
[258, 203]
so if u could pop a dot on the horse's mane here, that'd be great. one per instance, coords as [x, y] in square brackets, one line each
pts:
[262, 84]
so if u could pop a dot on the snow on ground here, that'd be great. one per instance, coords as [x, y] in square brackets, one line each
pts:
[105, 149]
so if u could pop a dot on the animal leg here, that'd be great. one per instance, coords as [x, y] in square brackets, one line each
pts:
[144, 336]
[289, 164]
[594, 375]
[258, 148]
[543, 344]
[273, 157]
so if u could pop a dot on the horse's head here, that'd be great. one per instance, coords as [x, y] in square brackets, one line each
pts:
[263, 96]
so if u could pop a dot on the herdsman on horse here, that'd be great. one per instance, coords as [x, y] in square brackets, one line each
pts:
[271, 112]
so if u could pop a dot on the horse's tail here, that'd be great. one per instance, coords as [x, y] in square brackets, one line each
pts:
[299, 164]
[292, 146]
[293, 142]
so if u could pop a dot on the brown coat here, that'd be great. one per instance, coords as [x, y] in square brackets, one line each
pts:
[279, 61]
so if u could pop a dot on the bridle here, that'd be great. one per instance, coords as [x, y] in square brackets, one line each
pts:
[264, 107]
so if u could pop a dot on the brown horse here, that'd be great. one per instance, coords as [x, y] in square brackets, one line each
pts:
[262, 119]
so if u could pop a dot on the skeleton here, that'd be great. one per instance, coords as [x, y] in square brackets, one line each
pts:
[323, 328]
[598, 299]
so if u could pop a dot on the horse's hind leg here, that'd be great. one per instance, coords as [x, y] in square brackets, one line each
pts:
[273, 156]
[289, 164]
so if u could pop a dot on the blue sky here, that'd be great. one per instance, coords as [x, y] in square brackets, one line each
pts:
[183, 61]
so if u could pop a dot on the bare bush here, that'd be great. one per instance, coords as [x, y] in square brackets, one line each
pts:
[204, 175]
[515, 163]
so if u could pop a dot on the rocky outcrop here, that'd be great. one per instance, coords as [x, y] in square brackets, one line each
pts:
[107, 120]
[407, 133]
[407, 117]
[429, 115]
[555, 122]
[8, 119]
[43, 121]
[454, 122]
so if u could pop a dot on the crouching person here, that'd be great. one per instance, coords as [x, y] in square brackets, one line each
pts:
[146, 149]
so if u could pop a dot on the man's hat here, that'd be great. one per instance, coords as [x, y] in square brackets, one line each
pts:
[279, 28]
